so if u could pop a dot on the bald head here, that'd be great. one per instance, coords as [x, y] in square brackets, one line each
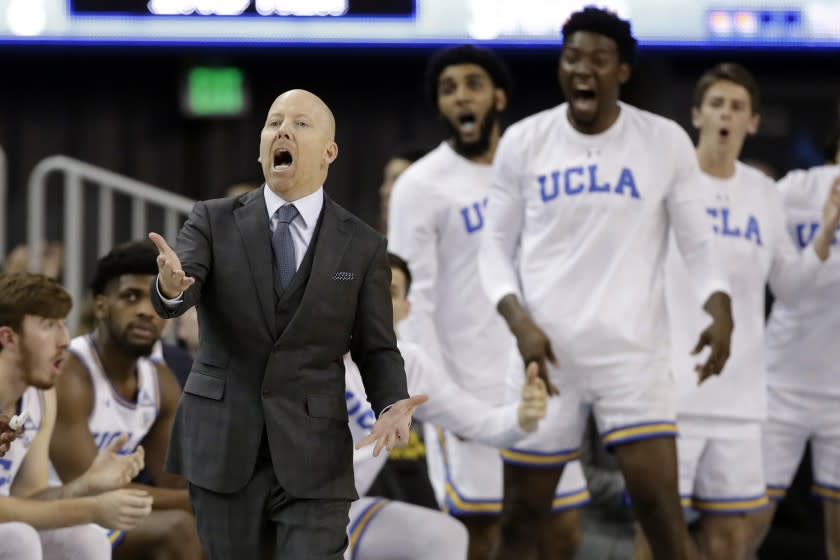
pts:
[315, 103]
[297, 144]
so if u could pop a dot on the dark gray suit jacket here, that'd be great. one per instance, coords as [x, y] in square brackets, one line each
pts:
[246, 375]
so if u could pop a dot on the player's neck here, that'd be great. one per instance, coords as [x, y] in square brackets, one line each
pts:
[12, 384]
[118, 366]
[717, 161]
[487, 157]
[601, 124]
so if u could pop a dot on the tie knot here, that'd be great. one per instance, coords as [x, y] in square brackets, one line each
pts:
[286, 213]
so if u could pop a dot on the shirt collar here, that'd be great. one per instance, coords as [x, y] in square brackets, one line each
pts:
[309, 207]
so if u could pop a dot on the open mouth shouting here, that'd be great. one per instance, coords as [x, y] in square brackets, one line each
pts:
[584, 100]
[282, 159]
[467, 124]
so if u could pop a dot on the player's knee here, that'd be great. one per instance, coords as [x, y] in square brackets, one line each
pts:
[521, 522]
[832, 545]
[727, 541]
[758, 524]
[87, 541]
[180, 537]
[20, 540]
[565, 532]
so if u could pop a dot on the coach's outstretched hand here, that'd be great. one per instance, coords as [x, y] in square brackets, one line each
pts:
[534, 400]
[171, 277]
[391, 429]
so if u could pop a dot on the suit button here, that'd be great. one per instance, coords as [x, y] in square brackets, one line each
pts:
[266, 393]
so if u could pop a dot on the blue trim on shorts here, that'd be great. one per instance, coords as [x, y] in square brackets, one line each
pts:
[115, 536]
[362, 524]
[640, 431]
[730, 506]
[826, 491]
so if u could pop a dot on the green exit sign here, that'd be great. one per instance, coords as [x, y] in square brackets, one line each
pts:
[215, 92]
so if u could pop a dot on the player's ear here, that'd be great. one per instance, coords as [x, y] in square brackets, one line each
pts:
[755, 122]
[7, 337]
[695, 117]
[623, 73]
[500, 99]
[99, 307]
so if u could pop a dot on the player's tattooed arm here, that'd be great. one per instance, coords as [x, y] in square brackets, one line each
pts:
[532, 341]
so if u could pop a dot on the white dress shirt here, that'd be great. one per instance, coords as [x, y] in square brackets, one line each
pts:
[302, 227]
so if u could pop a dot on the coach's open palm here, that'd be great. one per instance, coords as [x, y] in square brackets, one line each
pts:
[534, 400]
[173, 279]
[111, 470]
[391, 429]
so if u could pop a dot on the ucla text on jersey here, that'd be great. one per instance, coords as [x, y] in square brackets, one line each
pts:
[358, 411]
[578, 180]
[724, 226]
[805, 233]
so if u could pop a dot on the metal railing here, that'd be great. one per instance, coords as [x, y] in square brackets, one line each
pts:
[107, 183]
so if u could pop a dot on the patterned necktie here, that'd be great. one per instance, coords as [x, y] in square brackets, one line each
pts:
[283, 245]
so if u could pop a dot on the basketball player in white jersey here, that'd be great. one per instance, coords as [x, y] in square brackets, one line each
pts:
[437, 219]
[109, 388]
[375, 523]
[37, 521]
[803, 399]
[719, 449]
[582, 201]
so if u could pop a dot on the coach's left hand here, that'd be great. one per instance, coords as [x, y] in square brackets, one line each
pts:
[391, 429]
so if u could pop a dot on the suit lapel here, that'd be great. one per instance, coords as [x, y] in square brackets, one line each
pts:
[252, 220]
[336, 232]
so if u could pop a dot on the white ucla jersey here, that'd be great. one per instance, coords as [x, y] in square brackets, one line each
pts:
[578, 228]
[745, 214]
[437, 218]
[802, 349]
[33, 401]
[112, 414]
[449, 407]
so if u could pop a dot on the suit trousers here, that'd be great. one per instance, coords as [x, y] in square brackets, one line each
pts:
[261, 521]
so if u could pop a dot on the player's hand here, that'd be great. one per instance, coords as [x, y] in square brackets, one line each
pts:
[122, 509]
[391, 429]
[535, 347]
[110, 470]
[534, 399]
[717, 336]
[830, 221]
[831, 207]
[7, 434]
[173, 279]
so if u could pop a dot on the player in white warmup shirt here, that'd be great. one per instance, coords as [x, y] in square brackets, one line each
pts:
[37, 521]
[436, 222]
[110, 387]
[582, 201]
[803, 357]
[377, 528]
[719, 449]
